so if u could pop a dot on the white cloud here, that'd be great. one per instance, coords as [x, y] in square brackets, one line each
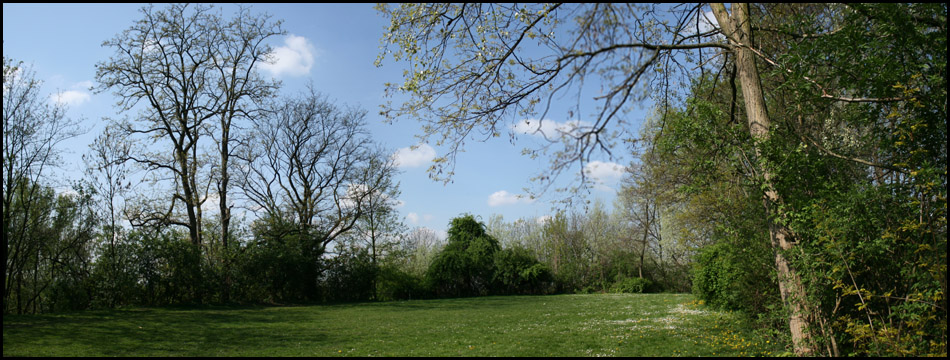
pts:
[408, 157]
[294, 59]
[543, 219]
[505, 198]
[71, 97]
[549, 128]
[416, 218]
[77, 96]
[604, 174]
[84, 84]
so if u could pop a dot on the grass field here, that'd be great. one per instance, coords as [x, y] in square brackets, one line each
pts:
[557, 325]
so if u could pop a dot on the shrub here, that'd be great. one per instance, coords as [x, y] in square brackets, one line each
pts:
[465, 266]
[349, 276]
[734, 277]
[632, 286]
[394, 283]
[517, 272]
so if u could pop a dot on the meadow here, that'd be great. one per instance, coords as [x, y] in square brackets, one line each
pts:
[554, 325]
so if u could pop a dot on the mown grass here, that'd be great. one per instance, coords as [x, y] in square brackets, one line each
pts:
[558, 325]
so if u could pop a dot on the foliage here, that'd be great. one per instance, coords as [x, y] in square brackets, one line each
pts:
[868, 212]
[349, 276]
[45, 236]
[281, 264]
[518, 272]
[588, 252]
[465, 266]
[724, 278]
[632, 286]
[395, 283]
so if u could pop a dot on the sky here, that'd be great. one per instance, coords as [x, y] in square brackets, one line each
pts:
[332, 46]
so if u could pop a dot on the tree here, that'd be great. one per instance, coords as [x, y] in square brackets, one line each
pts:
[465, 266]
[240, 90]
[422, 245]
[187, 66]
[32, 128]
[379, 227]
[319, 171]
[107, 173]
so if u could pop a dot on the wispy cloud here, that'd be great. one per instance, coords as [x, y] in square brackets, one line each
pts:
[543, 219]
[295, 58]
[71, 97]
[605, 175]
[408, 157]
[503, 197]
[415, 219]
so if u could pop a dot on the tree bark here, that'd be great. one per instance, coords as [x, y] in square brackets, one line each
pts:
[738, 30]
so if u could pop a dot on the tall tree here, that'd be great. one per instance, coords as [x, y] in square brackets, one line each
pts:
[107, 172]
[319, 170]
[379, 228]
[188, 67]
[32, 128]
[241, 92]
[737, 27]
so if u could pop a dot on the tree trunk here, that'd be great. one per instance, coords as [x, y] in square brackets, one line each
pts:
[738, 30]
[223, 206]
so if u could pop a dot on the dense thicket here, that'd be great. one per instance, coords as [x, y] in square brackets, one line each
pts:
[863, 176]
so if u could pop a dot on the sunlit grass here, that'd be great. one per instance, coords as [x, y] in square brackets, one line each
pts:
[560, 325]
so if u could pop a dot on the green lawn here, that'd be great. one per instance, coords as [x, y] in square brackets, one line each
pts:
[557, 325]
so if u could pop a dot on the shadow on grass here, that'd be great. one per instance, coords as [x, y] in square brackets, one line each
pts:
[244, 330]
[463, 303]
[159, 331]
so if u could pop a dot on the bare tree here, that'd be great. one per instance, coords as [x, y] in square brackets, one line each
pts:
[241, 92]
[187, 67]
[313, 164]
[107, 173]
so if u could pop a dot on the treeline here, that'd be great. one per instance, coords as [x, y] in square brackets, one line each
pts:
[211, 188]
[120, 236]
[624, 250]
[202, 135]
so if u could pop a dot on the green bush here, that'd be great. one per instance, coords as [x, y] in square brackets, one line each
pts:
[716, 277]
[736, 277]
[465, 267]
[517, 272]
[394, 283]
[632, 286]
[349, 276]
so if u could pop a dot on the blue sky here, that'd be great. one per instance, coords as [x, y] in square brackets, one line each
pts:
[332, 45]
